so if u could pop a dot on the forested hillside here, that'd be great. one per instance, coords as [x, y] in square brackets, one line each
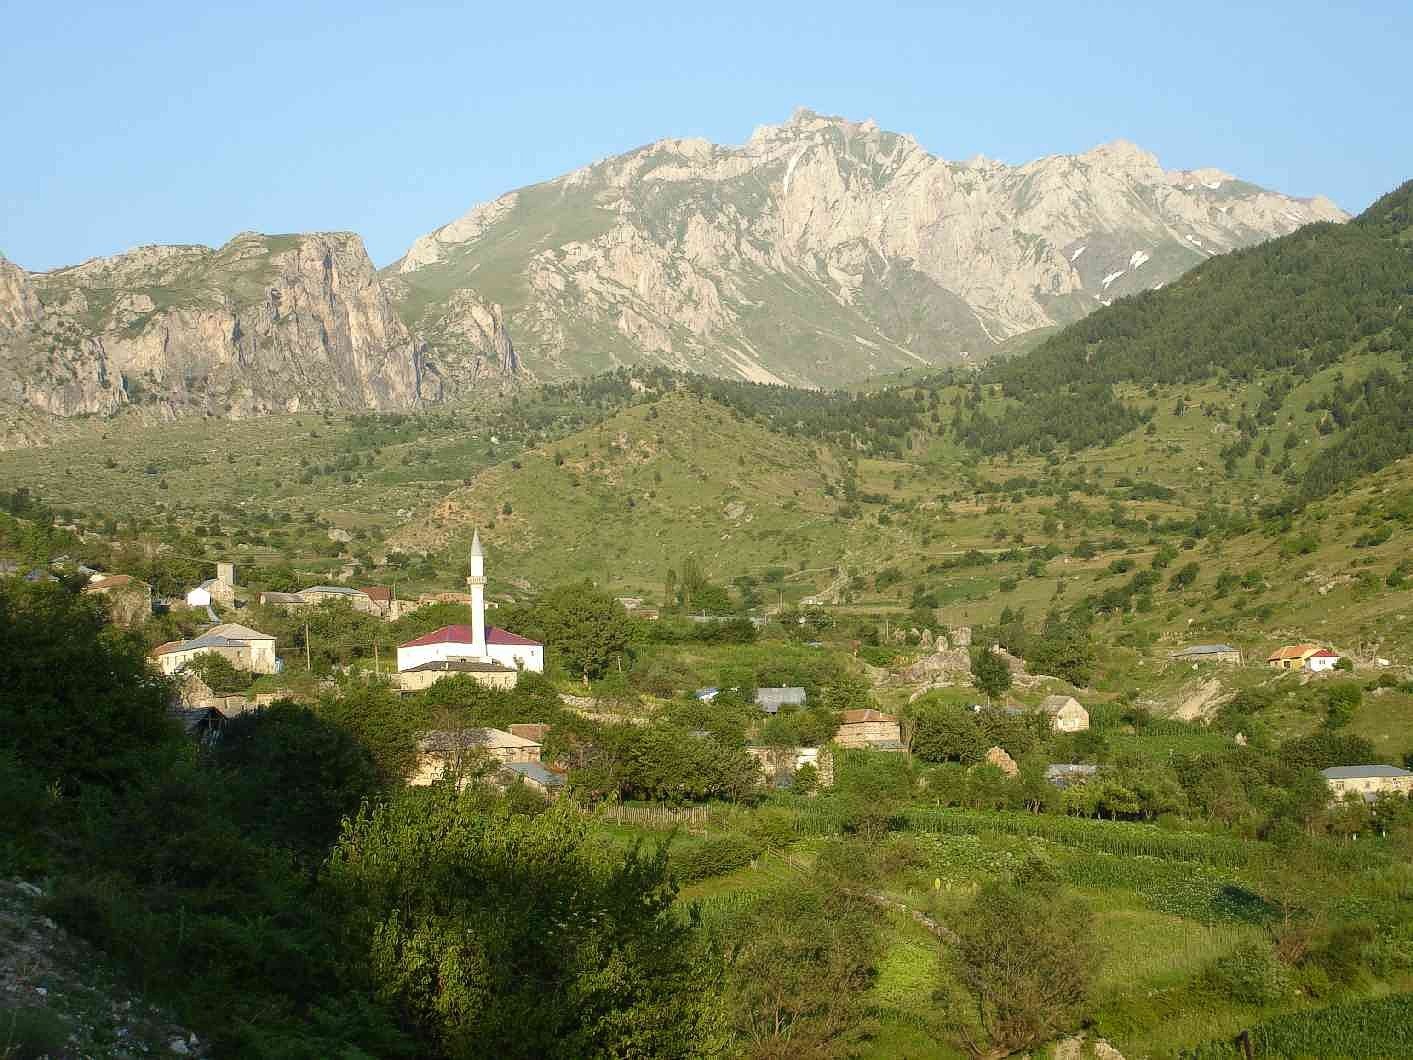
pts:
[1274, 315]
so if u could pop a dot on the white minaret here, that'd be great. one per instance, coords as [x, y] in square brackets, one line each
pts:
[477, 584]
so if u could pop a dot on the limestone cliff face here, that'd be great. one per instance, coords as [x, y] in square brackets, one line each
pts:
[264, 324]
[463, 347]
[824, 250]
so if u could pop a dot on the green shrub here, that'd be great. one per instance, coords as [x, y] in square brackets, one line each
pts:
[771, 828]
[1249, 974]
[30, 1033]
[714, 857]
[27, 806]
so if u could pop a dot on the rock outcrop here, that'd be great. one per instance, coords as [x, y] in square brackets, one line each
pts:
[263, 324]
[824, 250]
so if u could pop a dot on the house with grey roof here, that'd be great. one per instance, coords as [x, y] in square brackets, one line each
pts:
[771, 700]
[355, 598]
[1368, 781]
[534, 775]
[285, 601]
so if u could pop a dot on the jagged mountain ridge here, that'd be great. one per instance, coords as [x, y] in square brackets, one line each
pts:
[262, 324]
[823, 251]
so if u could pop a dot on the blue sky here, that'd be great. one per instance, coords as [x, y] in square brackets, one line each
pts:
[161, 122]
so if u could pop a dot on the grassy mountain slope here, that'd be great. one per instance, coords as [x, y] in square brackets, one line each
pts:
[624, 500]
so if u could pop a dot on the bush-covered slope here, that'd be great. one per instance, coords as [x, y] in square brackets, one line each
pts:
[1296, 302]
[1273, 315]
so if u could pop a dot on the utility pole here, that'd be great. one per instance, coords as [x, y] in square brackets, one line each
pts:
[308, 659]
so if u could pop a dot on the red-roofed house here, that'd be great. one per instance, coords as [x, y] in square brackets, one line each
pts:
[129, 598]
[869, 728]
[1322, 660]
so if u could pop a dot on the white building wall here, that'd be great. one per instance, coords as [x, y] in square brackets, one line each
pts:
[516, 656]
[520, 656]
[418, 654]
[1320, 663]
[198, 597]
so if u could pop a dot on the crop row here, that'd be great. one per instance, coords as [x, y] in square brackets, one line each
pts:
[1124, 838]
[1377, 1027]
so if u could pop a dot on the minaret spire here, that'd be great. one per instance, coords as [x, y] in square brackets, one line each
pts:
[477, 584]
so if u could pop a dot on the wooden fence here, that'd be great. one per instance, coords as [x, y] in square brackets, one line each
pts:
[657, 816]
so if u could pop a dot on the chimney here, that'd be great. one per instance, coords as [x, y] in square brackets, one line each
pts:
[225, 572]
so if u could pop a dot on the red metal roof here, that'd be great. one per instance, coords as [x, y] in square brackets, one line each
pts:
[1325, 653]
[461, 634]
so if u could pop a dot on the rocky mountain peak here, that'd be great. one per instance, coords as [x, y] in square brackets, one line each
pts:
[1123, 155]
[825, 249]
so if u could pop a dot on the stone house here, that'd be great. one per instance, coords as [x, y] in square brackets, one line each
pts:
[998, 757]
[355, 598]
[1209, 653]
[284, 601]
[536, 730]
[199, 723]
[450, 750]
[129, 599]
[176, 654]
[869, 728]
[219, 590]
[1065, 713]
[261, 645]
[381, 597]
[778, 765]
[1368, 781]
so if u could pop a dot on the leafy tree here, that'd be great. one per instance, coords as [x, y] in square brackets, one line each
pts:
[989, 672]
[946, 734]
[1325, 748]
[382, 722]
[1183, 577]
[519, 936]
[1026, 959]
[584, 627]
[663, 762]
[847, 691]
[80, 701]
[1065, 648]
[219, 673]
[870, 787]
[293, 776]
[801, 961]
